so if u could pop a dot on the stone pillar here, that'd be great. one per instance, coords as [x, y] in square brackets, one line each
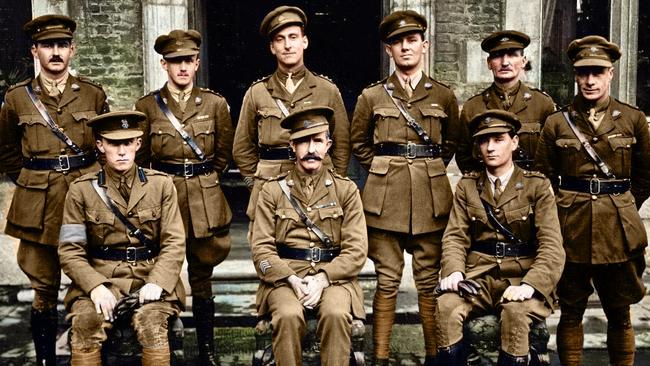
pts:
[624, 19]
[424, 7]
[159, 17]
[531, 24]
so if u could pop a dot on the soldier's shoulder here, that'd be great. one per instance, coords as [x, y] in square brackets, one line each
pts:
[153, 173]
[260, 80]
[324, 78]
[627, 105]
[209, 91]
[540, 93]
[86, 81]
[338, 177]
[472, 175]
[148, 95]
[19, 84]
[279, 177]
[375, 84]
[534, 174]
[86, 177]
[438, 83]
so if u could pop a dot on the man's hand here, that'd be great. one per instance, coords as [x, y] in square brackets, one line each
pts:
[298, 285]
[450, 283]
[315, 286]
[150, 292]
[518, 293]
[104, 301]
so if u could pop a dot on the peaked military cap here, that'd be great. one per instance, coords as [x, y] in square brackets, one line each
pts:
[593, 51]
[281, 17]
[308, 121]
[118, 125]
[494, 121]
[178, 43]
[400, 22]
[51, 26]
[503, 40]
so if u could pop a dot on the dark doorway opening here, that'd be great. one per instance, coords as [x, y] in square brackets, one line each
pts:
[643, 66]
[16, 62]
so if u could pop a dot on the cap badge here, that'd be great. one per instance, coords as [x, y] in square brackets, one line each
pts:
[504, 39]
[198, 100]
[281, 18]
[593, 49]
[75, 87]
[328, 182]
[527, 96]
[306, 123]
[428, 85]
[402, 23]
[616, 113]
[125, 124]
[179, 43]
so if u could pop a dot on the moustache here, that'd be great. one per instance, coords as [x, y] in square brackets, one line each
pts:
[311, 156]
[56, 59]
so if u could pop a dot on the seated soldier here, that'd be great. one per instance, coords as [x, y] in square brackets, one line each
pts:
[309, 243]
[502, 250]
[122, 232]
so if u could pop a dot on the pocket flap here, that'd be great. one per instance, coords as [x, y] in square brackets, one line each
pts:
[162, 128]
[100, 217]
[435, 167]
[477, 214]
[622, 142]
[210, 180]
[330, 212]
[530, 127]
[83, 115]
[567, 143]
[30, 119]
[35, 179]
[379, 165]
[149, 214]
[269, 112]
[623, 200]
[386, 112]
[433, 112]
[565, 198]
[205, 127]
[519, 214]
[287, 213]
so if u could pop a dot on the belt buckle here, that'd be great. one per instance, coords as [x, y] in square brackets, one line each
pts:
[499, 249]
[315, 255]
[188, 169]
[64, 163]
[594, 182]
[410, 150]
[131, 255]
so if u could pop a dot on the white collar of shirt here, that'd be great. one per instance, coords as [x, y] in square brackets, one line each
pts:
[415, 80]
[505, 178]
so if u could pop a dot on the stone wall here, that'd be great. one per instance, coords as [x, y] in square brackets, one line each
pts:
[109, 47]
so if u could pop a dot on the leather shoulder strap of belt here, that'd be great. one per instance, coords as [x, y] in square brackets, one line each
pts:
[507, 232]
[588, 148]
[303, 216]
[133, 230]
[50, 122]
[177, 126]
[283, 108]
[410, 121]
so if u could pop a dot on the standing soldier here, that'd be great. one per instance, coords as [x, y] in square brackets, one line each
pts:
[45, 144]
[190, 138]
[261, 148]
[501, 243]
[508, 64]
[401, 129]
[309, 244]
[122, 233]
[597, 153]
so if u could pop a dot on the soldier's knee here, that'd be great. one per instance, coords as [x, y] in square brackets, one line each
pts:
[450, 310]
[335, 314]
[571, 315]
[289, 316]
[87, 333]
[151, 328]
[514, 312]
[44, 300]
[618, 317]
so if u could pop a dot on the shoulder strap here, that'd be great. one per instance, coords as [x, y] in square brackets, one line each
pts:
[303, 216]
[588, 148]
[133, 230]
[177, 125]
[410, 121]
[283, 108]
[50, 122]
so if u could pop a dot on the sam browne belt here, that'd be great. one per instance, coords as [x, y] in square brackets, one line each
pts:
[184, 170]
[501, 249]
[61, 163]
[128, 254]
[276, 153]
[595, 185]
[311, 254]
[410, 150]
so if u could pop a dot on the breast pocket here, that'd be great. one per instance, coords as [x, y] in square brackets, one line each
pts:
[519, 221]
[432, 122]
[622, 150]
[440, 187]
[331, 219]
[374, 191]
[385, 118]
[528, 136]
[149, 219]
[204, 135]
[570, 156]
[162, 135]
[269, 129]
[285, 220]
[82, 133]
[478, 222]
[99, 224]
[35, 130]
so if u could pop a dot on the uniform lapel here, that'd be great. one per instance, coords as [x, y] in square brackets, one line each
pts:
[491, 98]
[305, 88]
[42, 94]
[511, 189]
[608, 123]
[521, 99]
[420, 91]
[276, 89]
[394, 85]
[191, 106]
[171, 103]
[320, 190]
[114, 195]
[137, 192]
[485, 188]
[69, 93]
[296, 188]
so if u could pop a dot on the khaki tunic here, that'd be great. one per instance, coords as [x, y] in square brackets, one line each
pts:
[259, 126]
[528, 196]
[207, 120]
[88, 222]
[335, 207]
[531, 105]
[37, 205]
[603, 228]
[405, 195]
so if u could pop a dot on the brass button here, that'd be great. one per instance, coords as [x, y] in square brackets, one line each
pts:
[293, 104]
[473, 218]
[408, 105]
[59, 110]
[97, 218]
[410, 161]
[335, 215]
[311, 244]
[62, 129]
[311, 271]
[62, 151]
[497, 210]
[284, 216]
[130, 213]
[499, 261]
[594, 139]
[309, 209]
[184, 142]
[594, 197]
[160, 132]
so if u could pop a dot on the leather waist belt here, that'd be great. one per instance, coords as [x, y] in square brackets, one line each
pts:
[61, 163]
[129, 254]
[501, 249]
[410, 150]
[276, 153]
[184, 170]
[311, 254]
[595, 185]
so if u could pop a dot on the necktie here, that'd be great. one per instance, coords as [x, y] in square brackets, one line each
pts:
[507, 103]
[407, 87]
[181, 100]
[124, 188]
[54, 90]
[289, 85]
[497, 190]
[309, 187]
[594, 118]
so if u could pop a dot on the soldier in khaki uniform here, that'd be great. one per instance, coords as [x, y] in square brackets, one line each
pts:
[42, 165]
[298, 269]
[104, 258]
[604, 236]
[204, 115]
[516, 275]
[407, 196]
[507, 62]
[261, 148]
